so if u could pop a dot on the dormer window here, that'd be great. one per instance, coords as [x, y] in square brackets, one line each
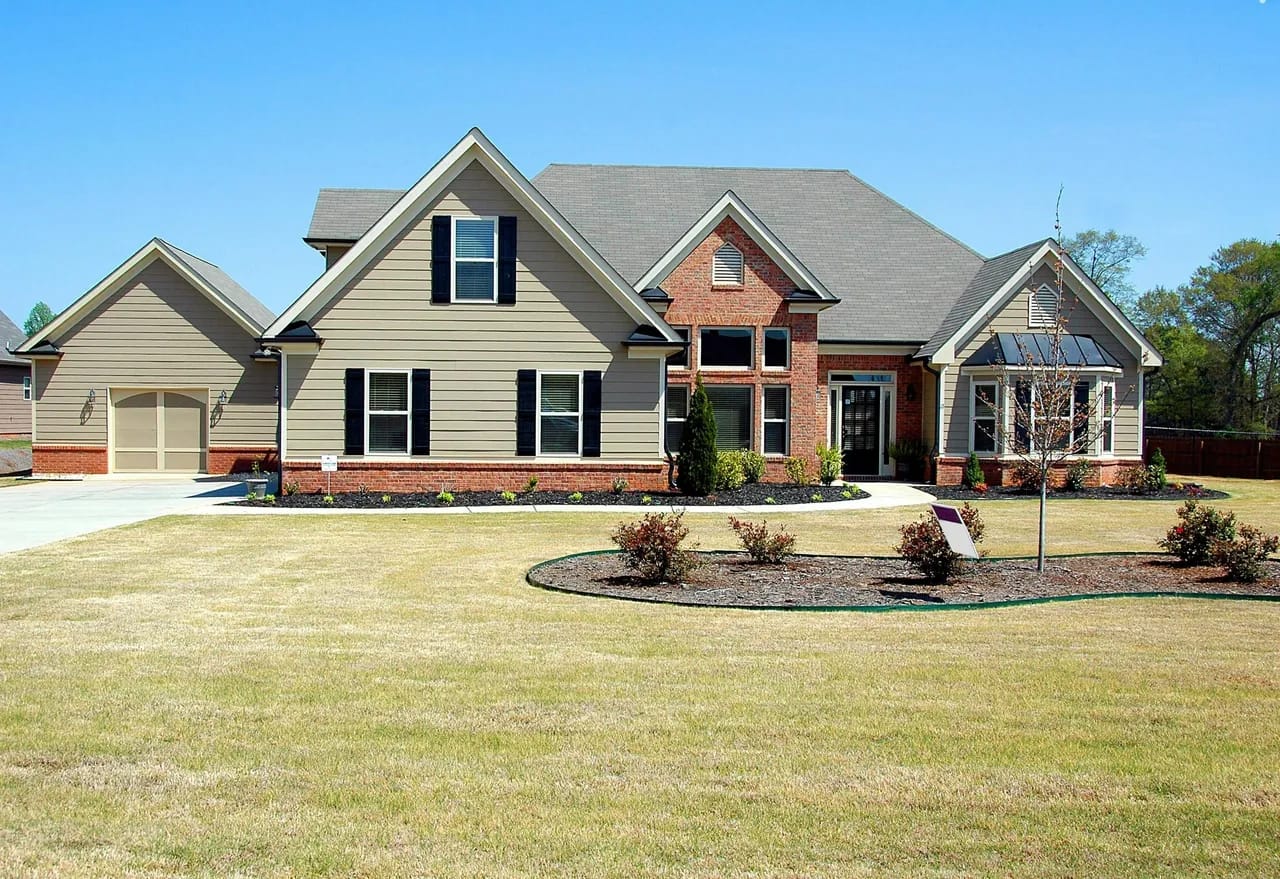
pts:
[1042, 309]
[726, 267]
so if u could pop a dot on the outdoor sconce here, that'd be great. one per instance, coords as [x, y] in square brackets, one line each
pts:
[911, 393]
[93, 395]
[222, 398]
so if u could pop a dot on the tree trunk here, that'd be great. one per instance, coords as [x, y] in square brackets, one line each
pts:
[1044, 482]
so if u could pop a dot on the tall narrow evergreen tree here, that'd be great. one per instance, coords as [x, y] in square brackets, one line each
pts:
[696, 467]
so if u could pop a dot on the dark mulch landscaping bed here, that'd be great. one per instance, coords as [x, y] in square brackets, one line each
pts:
[1105, 492]
[733, 580]
[748, 494]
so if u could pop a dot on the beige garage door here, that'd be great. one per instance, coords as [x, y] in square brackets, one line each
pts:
[159, 431]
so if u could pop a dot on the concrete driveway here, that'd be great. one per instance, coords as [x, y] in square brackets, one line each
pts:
[42, 512]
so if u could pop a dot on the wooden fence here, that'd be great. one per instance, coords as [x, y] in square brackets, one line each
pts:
[1217, 456]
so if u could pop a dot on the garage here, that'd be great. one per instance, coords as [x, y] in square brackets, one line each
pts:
[159, 431]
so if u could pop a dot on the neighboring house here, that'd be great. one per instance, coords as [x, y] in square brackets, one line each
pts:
[156, 369]
[481, 328]
[15, 383]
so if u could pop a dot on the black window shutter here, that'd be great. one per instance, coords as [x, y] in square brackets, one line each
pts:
[591, 393]
[353, 435]
[526, 412]
[506, 260]
[421, 412]
[441, 258]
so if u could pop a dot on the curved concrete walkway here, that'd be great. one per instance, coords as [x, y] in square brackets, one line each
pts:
[882, 494]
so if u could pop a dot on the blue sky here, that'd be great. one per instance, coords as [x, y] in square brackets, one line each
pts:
[215, 129]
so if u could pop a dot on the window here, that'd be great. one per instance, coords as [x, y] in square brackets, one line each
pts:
[677, 413]
[475, 247]
[728, 348]
[388, 412]
[1107, 413]
[1080, 419]
[1042, 307]
[1072, 414]
[731, 405]
[776, 413]
[681, 360]
[559, 414]
[984, 409]
[26, 388]
[726, 267]
[777, 348]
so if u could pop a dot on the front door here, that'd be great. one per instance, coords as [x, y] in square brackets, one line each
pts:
[860, 429]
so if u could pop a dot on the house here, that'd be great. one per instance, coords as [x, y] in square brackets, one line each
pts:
[480, 328]
[15, 383]
[156, 369]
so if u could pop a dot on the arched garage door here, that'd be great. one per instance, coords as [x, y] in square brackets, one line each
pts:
[159, 431]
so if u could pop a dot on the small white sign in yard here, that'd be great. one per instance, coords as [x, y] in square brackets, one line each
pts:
[328, 463]
[954, 529]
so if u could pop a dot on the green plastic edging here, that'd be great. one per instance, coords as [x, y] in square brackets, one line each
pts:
[886, 608]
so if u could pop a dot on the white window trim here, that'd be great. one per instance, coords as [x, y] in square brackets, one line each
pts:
[408, 416]
[764, 359]
[749, 368]
[742, 266]
[1032, 320]
[995, 419]
[785, 421]
[454, 259]
[538, 424]
[1011, 415]
[1107, 426]
[26, 389]
[666, 417]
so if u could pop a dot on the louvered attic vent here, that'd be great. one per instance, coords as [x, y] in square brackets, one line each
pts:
[1043, 307]
[726, 266]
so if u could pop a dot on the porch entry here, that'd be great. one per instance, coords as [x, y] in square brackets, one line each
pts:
[861, 419]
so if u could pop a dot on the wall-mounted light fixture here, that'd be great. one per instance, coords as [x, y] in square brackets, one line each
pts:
[93, 395]
[911, 393]
[222, 398]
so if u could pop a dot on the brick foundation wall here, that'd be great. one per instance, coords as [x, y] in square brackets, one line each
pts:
[239, 459]
[471, 476]
[1105, 470]
[68, 459]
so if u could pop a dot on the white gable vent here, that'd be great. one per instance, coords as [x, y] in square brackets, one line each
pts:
[1043, 307]
[726, 266]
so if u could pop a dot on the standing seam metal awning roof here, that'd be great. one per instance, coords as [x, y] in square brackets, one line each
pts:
[1037, 349]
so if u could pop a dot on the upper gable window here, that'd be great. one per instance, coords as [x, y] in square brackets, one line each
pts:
[475, 270]
[1042, 308]
[726, 267]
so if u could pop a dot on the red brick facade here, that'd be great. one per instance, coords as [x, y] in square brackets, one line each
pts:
[239, 459]
[909, 405]
[472, 476]
[89, 460]
[1105, 470]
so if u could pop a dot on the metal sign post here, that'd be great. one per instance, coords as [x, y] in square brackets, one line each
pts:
[954, 529]
[328, 465]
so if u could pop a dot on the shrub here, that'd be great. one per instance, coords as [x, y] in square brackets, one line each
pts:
[328, 498]
[445, 497]
[531, 485]
[798, 470]
[1193, 538]
[696, 467]
[847, 494]
[764, 546]
[646, 500]
[1025, 476]
[980, 487]
[1141, 480]
[1158, 469]
[1244, 553]
[619, 484]
[973, 471]
[925, 547]
[575, 498]
[816, 498]
[752, 465]
[770, 500]
[830, 463]
[1078, 475]
[269, 498]
[386, 498]
[729, 475]
[652, 547]
[508, 497]
[290, 488]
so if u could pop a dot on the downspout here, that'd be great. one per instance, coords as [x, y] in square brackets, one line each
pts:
[280, 379]
[937, 415]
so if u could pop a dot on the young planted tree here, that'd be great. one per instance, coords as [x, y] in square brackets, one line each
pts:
[696, 466]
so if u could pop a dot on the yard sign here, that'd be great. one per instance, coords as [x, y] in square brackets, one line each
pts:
[953, 528]
[328, 464]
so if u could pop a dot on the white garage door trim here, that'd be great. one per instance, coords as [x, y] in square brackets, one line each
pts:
[160, 449]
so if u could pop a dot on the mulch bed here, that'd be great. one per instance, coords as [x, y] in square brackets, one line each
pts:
[1105, 492]
[733, 580]
[749, 494]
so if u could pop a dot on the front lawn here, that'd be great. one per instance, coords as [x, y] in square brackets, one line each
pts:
[384, 695]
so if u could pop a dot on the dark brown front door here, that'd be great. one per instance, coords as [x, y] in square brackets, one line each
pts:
[860, 430]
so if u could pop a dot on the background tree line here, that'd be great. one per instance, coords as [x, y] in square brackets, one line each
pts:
[1219, 332]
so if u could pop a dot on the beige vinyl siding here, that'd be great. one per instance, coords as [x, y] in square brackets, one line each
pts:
[1080, 321]
[15, 412]
[562, 320]
[333, 253]
[157, 331]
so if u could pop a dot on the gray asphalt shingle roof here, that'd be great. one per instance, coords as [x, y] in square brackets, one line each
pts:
[226, 285]
[10, 338]
[346, 214]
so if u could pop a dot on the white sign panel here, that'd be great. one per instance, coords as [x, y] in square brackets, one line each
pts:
[953, 528]
[328, 463]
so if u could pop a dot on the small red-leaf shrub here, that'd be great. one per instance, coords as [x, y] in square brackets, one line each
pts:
[764, 546]
[925, 546]
[1192, 539]
[980, 487]
[1244, 554]
[1026, 476]
[652, 547]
